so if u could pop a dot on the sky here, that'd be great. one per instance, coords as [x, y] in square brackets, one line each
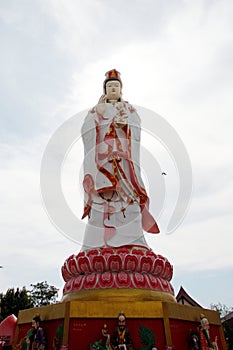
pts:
[176, 60]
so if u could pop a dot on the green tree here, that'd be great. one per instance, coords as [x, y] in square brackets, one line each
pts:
[13, 301]
[43, 294]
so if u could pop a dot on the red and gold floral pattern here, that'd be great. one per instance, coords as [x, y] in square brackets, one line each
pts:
[120, 267]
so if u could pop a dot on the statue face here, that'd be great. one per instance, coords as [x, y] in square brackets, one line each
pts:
[34, 324]
[205, 324]
[113, 90]
[121, 322]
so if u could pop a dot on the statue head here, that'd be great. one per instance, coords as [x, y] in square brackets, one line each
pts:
[121, 321]
[113, 85]
[204, 322]
[36, 321]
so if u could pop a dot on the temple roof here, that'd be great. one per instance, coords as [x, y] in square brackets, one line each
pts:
[227, 317]
[185, 299]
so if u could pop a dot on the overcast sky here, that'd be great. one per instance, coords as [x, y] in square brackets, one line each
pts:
[175, 59]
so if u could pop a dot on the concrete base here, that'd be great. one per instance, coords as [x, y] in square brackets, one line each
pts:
[82, 322]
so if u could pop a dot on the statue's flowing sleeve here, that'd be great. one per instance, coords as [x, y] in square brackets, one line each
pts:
[148, 222]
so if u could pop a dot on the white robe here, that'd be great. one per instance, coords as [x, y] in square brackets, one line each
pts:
[118, 221]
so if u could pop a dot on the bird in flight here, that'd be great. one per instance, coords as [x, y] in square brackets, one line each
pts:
[164, 173]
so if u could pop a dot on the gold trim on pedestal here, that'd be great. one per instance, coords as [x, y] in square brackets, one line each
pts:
[128, 302]
[120, 294]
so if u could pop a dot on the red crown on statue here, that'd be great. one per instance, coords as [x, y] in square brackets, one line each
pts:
[112, 74]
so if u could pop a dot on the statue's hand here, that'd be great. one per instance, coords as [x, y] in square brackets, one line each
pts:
[102, 99]
[121, 121]
[101, 105]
